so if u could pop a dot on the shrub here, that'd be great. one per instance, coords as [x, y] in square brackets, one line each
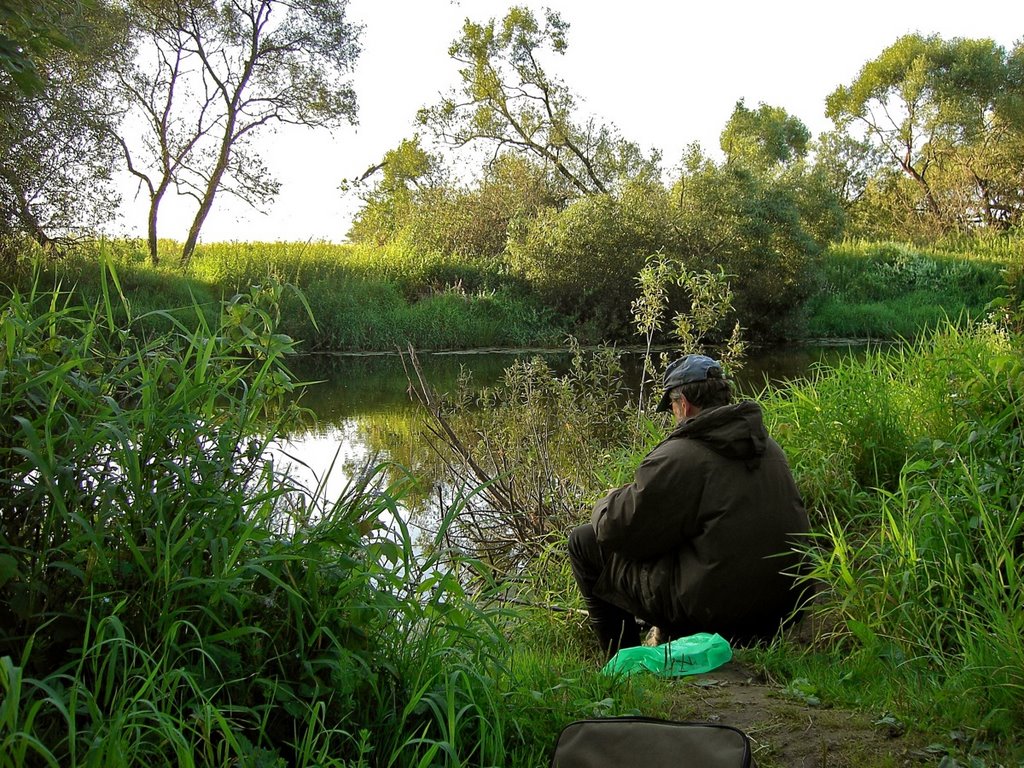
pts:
[757, 228]
[583, 260]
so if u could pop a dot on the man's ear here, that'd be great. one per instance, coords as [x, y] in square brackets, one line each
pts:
[679, 408]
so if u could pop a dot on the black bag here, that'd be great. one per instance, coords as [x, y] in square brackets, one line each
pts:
[643, 742]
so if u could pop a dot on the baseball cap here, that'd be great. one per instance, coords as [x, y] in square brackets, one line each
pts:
[686, 370]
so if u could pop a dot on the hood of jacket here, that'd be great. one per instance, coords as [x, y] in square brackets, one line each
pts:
[734, 431]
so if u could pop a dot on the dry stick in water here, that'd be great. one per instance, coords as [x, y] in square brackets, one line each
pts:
[444, 431]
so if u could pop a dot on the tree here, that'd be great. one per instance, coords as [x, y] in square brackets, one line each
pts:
[55, 157]
[939, 110]
[415, 201]
[767, 138]
[764, 229]
[583, 259]
[508, 101]
[405, 173]
[848, 164]
[29, 31]
[210, 76]
[771, 147]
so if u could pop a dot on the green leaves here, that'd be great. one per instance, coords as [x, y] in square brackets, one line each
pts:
[945, 112]
[765, 138]
[167, 598]
[508, 100]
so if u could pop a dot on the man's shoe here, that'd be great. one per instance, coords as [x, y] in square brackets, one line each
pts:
[656, 636]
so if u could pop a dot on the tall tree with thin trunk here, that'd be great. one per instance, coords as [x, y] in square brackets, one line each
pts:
[508, 102]
[209, 76]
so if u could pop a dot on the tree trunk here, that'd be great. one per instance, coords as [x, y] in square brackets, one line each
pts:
[155, 199]
[206, 204]
[154, 256]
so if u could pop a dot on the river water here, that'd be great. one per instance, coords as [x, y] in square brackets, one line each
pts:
[365, 414]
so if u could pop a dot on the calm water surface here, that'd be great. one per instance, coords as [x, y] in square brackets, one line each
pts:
[364, 412]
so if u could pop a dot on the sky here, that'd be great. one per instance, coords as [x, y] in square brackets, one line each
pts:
[667, 73]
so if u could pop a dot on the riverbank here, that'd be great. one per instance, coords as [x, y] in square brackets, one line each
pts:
[907, 461]
[343, 298]
[165, 599]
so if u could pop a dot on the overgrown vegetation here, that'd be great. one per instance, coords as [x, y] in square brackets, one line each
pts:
[909, 460]
[166, 598]
[366, 297]
[332, 297]
[895, 290]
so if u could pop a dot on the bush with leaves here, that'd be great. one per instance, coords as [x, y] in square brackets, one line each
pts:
[583, 259]
[760, 231]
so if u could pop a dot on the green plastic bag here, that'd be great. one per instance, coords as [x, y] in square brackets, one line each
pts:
[691, 655]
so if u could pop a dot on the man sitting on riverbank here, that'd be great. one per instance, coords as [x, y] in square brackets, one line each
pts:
[704, 538]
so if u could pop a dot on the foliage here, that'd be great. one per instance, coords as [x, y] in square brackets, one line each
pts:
[890, 290]
[366, 299]
[30, 31]
[56, 159]
[508, 101]
[167, 598]
[416, 208]
[408, 171]
[764, 231]
[710, 308]
[848, 166]
[918, 512]
[581, 259]
[764, 138]
[523, 481]
[948, 116]
[1009, 306]
[211, 76]
[360, 301]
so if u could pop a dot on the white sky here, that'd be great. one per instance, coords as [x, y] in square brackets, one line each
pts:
[666, 73]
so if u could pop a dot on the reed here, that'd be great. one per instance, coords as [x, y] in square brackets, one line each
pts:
[910, 460]
[167, 598]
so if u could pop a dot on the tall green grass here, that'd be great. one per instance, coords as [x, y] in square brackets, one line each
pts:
[889, 290]
[910, 460]
[341, 298]
[166, 598]
[377, 298]
[367, 298]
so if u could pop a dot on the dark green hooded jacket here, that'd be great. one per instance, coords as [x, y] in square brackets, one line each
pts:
[700, 540]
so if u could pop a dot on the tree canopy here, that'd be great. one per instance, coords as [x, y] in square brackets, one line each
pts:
[56, 159]
[208, 77]
[506, 100]
[30, 30]
[947, 114]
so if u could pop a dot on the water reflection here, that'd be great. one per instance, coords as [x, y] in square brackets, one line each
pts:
[365, 414]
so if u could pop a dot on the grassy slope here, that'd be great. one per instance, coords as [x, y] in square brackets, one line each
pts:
[890, 290]
[365, 298]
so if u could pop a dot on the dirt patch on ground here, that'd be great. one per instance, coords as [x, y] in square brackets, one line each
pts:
[791, 730]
